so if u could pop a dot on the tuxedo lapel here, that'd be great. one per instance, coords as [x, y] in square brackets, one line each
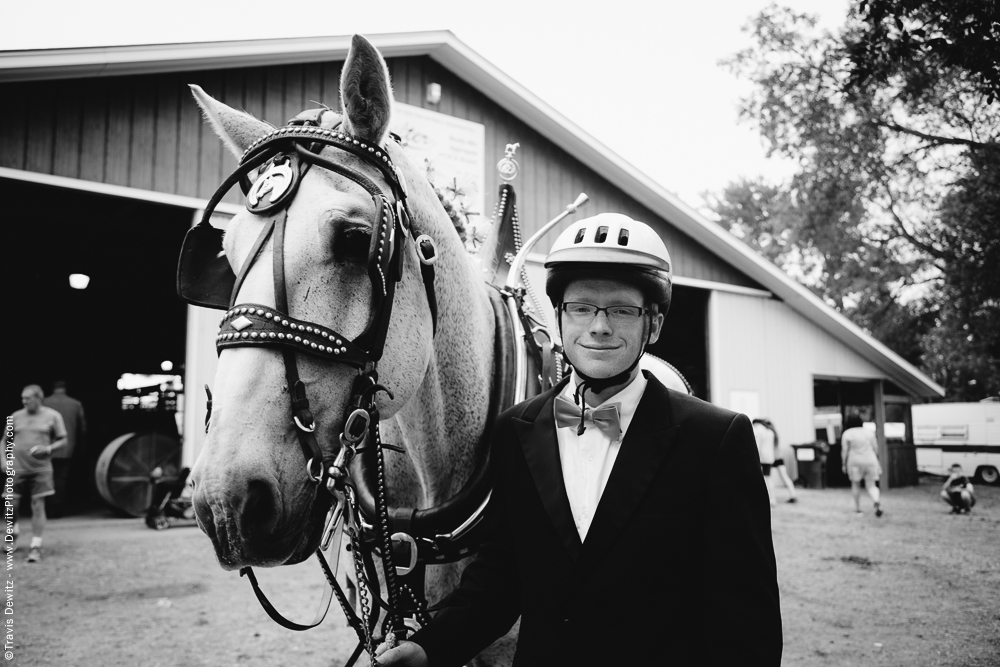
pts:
[649, 439]
[541, 451]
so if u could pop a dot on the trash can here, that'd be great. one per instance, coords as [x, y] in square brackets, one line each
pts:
[811, 459]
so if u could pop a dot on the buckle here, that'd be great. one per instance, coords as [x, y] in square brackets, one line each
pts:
[426, 258]
[356, 425]
[405, 538]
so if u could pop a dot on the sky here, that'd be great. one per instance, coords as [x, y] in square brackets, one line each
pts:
[641, 76]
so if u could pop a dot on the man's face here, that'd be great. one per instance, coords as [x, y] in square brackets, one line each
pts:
[599, 346]
[31, 400]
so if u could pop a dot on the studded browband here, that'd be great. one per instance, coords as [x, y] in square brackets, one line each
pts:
[256, 324]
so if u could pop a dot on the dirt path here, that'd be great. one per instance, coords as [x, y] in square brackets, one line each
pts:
[916, 587]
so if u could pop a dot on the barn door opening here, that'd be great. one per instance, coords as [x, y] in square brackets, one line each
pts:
[684, 340]
[127, 319]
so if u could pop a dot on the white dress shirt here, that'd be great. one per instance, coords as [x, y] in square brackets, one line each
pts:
[587, 460]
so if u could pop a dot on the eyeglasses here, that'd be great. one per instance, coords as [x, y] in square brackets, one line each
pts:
[586, 312]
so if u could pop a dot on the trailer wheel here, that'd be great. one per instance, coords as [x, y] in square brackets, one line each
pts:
[988, 474]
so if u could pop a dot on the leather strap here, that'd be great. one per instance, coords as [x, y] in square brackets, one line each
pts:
[276, 616]
[258, 245]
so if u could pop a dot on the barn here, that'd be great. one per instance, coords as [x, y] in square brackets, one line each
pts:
[105, 162]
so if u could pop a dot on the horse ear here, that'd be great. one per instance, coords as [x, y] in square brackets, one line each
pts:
[237, 129]
[365, 92]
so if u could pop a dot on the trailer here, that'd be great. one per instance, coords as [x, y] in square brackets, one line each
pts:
[963, 433]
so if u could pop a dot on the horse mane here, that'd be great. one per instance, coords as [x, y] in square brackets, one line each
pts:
[454, 214]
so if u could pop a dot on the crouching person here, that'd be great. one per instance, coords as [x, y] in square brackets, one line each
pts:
[958, 492]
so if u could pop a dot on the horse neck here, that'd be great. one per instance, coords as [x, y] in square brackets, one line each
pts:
[442, 426]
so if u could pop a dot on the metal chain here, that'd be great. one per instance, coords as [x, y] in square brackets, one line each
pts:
[383, 517]
[359, 571]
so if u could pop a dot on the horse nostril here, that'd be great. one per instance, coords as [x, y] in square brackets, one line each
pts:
[260, 515]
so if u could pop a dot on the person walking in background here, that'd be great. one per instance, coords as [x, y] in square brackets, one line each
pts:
[765, 450]
[958, 492]
[779, 462]
[859, 448]
[38, 432]
[71, 411]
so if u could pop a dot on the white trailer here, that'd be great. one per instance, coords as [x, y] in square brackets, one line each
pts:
[964, 433]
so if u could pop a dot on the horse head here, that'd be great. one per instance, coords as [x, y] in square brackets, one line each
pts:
[253, 495]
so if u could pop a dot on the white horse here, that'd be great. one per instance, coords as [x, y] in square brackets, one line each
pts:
[252, 492]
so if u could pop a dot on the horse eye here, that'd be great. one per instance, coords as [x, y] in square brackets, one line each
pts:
[352, 244]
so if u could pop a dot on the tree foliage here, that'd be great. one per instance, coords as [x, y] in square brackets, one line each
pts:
[894, 214]
[936, 34]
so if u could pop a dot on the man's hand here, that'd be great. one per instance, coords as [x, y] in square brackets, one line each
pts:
[41, 451]
[407, 654]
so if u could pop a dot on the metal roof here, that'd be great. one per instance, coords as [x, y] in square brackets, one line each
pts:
[443, 47]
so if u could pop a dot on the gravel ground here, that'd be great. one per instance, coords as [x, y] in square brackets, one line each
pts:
[915, 587]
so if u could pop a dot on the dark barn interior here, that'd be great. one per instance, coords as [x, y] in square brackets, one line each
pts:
[684, 339]
[128, 320]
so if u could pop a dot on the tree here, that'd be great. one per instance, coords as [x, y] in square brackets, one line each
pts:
[893, 215]
[944, 34]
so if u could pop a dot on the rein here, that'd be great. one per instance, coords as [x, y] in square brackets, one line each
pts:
[353, 474]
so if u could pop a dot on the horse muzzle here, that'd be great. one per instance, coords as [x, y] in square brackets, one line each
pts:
[249, 526]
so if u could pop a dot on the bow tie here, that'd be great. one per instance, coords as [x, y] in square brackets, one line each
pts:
[606, 418]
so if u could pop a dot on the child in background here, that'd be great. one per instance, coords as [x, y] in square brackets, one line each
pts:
[958, 492]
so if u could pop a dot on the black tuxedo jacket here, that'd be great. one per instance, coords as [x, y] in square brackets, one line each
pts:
[678, 566]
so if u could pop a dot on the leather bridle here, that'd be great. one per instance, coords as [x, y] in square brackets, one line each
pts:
[353, 473]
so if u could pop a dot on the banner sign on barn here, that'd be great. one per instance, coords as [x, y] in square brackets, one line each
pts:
[455, 150]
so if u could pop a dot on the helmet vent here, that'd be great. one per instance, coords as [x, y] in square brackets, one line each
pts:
[579, 235]
[602, 234]
[623, 237]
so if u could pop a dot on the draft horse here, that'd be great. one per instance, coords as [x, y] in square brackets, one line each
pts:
[354, 317]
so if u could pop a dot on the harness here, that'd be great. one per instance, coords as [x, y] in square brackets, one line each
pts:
[350, 479]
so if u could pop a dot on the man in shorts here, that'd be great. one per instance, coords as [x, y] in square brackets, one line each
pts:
[38, 431]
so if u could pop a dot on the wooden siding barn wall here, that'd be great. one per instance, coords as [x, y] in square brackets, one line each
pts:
[146, 132]
[762, 345]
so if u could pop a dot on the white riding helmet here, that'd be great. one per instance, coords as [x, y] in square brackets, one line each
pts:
[611, 245]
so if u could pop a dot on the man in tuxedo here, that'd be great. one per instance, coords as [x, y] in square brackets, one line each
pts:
[629, 523]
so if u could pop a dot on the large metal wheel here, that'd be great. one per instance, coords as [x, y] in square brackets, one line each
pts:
[122, 472]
